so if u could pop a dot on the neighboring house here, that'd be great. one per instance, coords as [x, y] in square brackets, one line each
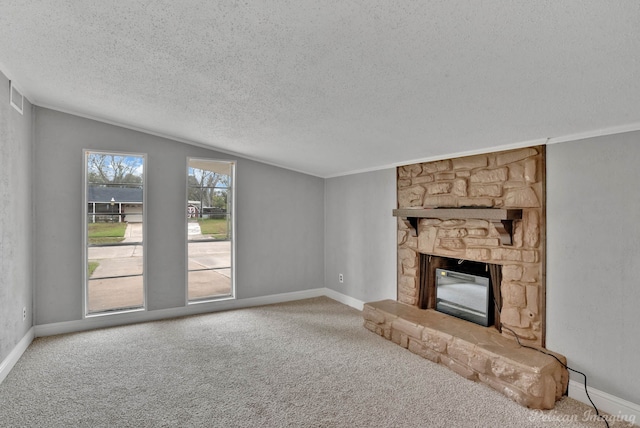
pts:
[116, 203]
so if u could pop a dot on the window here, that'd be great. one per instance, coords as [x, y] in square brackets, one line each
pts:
[114, 232]
[210, 220]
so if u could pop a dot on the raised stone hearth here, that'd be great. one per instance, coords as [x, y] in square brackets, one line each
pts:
[528, 377]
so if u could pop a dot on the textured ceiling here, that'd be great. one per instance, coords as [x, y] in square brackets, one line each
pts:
[331, 87]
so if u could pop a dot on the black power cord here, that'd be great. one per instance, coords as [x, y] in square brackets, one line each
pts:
[563, 365]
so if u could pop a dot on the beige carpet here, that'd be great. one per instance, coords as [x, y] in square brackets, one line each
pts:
[303, 364]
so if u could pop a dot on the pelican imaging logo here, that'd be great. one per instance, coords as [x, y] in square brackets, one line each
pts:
[587, 416]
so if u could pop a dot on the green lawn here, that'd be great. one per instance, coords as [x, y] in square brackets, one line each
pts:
[215, 227]
[92, 267]
[106, 233]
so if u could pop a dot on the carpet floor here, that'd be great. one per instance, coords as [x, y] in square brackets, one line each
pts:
[308, 363]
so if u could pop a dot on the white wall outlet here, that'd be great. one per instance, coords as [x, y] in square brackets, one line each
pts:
[24, 313]
[340, 278]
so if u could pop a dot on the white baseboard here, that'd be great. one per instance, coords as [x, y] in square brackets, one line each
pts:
[16, 353]
[344, 299]
[619, 409]
[91, 323]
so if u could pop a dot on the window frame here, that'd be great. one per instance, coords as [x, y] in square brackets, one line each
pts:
[85, 235]
[232, 232]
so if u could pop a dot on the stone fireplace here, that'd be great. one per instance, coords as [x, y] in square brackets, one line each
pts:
[489, 209]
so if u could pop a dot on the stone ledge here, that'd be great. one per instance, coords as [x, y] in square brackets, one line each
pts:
[482, 354]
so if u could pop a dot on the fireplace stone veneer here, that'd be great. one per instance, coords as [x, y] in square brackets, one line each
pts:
[511, 180]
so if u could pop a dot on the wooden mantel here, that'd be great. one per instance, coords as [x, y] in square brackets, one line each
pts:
[501, 218]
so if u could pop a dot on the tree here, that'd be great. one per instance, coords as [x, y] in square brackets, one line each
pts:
[204, 187]
[220, 200]
[114, 170]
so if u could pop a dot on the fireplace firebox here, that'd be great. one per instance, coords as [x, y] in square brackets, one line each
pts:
[465, 289]
[464, 296]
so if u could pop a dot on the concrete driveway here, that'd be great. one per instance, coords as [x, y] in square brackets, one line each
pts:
[117, 281]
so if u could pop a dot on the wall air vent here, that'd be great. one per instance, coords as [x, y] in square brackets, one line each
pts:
[17, 99]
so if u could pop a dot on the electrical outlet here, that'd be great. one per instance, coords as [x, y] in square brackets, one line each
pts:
[340, 278]
[24, 313]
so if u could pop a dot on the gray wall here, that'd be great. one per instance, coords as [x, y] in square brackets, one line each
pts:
[593, 259]
[360, 235]
[16, 222]
[279, 218]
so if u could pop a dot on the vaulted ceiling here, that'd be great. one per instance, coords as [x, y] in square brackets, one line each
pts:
[334, 86]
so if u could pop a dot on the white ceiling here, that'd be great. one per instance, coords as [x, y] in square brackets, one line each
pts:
[333, 86]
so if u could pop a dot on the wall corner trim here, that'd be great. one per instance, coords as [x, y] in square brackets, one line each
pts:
[16, 353]
[614, 406]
